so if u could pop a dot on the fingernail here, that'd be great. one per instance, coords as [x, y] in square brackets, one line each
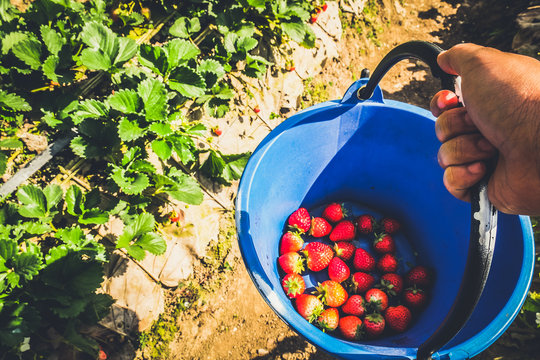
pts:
[447, 99]
[484, 145]
[475, 168]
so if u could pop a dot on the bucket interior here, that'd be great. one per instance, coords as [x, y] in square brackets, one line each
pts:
[382, 159]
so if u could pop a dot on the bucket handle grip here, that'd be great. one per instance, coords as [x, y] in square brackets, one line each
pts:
[483, 214]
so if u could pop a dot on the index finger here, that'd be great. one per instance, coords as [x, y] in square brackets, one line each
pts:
[453, 60]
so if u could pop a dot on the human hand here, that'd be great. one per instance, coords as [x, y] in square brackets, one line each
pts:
[498, 128]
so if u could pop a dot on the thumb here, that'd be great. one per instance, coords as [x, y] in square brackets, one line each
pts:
[453, 61]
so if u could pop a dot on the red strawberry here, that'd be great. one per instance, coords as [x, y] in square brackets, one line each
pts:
[383, 244]
[365, 224]
[318, 255]
[290, 241]
[334, 212]
[291, 263]
[398, 318]
[338, 270]
[256, 109]
[217, 131]
[374, 325]
[291, 68]
[301, 220]
[309, 307]
[332, 293]
[414, 298]
[324, 6]
[313, 18]
[362, 282]
[343, 231]
[419, 276]
[363, 260]
[294, 285]
[389, 225]
[329, 319]
[392, 284]
[174, 217]
[344, 250]
[387, 263]
[351, 327]
[355, 305]
[320, 227]
[377, 299]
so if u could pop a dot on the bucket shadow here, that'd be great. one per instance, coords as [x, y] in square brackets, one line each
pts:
[291, 345]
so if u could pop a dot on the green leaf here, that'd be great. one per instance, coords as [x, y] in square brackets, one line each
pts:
[8, 249]
[187, 82]
[141, 224]
[49, 67]
[153, 57]
[74, 200]
[260, 5]
[187, 190]
[246, 44]
[154, 97]
[197, 129]
[153, 243]
[27, 265]
[32, 227]
[212, 71]
[127, 49]
[136, 252]
[94, 216]
[130, 183]
[53, 193]
[11, 143]
[13, 102]
[184, 148]
[143, 166]
[11, 39]
[130, 130]
[71, 236]
[33, 200]
[229, 42]
[3, 163]
[98, 36]
[161, 129]
[92, 109]
[125, 101]
[95, 59]
[29, 52]
[213, 166]
[235, 165]
[184, 26]
[53, 40]
[162, 149]
[179, 52]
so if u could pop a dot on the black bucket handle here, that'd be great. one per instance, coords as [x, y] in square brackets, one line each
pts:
[480, 252]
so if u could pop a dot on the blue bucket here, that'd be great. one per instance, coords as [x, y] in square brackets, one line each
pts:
[380, 156]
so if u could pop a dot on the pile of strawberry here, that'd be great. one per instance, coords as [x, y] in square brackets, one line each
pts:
[365, 295]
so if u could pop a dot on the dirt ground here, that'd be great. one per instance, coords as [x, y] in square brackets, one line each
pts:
[235, 322]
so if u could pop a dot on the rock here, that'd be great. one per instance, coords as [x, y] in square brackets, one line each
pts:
[139, 299]
[34, 142]
[527, 39]
[262, 352]
[352, 6]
